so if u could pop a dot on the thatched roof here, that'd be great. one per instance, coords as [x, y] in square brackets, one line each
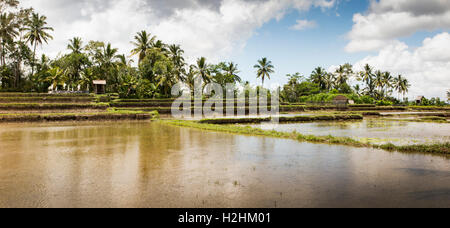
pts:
[99, 82]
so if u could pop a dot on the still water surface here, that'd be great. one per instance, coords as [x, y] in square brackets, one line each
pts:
[372, 130]
[141, 164]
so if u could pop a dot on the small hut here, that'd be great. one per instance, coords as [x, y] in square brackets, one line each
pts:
[99, 86]
[419, 100]
[340, 100]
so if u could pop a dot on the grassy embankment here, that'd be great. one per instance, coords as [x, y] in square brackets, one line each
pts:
[283, 119]
[442, 149]
[163, 106]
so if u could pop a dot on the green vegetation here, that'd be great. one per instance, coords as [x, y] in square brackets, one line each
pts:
[421, 120]
[264, 69]
[283, 119]
[110, 114]
[160, 66]
[43, 106]
[46, 99]
[443, 149]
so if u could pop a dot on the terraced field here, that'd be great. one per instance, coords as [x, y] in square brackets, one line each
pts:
[36, 107]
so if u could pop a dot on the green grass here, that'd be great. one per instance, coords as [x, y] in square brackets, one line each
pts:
[421, 120]
[430, 108]
[283, 119]
[44, 95]
[442, 149]
[53, 106]
[45, 99]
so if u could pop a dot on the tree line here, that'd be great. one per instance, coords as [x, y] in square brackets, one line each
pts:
[159, 66]
[372, 85]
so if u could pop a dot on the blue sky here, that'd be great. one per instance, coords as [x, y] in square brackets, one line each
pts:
[302, 51]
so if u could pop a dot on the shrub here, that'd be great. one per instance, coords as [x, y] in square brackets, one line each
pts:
[384, 103]
[366, 100]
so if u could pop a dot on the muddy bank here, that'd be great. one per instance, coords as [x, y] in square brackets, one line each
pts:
[73, 117]
[39, 100]
[61, 111]
[35, 107]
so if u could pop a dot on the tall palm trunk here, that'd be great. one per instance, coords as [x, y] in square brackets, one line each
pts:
[2, 58]
[34, 59]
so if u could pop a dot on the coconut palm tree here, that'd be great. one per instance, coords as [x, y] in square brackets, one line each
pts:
[37, 33]
[8, 30]
[190, 76]
[329, 81]
[161, 46]
[387, 82]
[231, 71]
[202, 69]
[56, 77]
[357, 89]
[75, 45]
[340, 76]
[176, 55]
[398, 85]
[123, 61]
[405, 87]
[318, 77]
[379, 81]
[143, 42]
[343, 74]
[264, 69]
[8, 3]
[368, 77]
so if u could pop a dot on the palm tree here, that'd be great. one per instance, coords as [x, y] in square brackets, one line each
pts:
[367, 76]
[56, 77]
[161, 46]
[108, 59]
[37, 33]
[8, 3]
[123, 61]
[231, 71]
[340, 76]
[343, 74]
[190, 76]
[387, 82]
[8, 30]
[329, 81]
[202, 69]
[75, 45]
[357, 89]
[176, 55]
[318, 77]
[143, 42]
[398, 85]
[264, 69]
[379, 81]
[405, 87]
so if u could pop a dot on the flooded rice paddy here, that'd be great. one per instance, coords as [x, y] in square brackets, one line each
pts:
[141, 164]
[372, 130]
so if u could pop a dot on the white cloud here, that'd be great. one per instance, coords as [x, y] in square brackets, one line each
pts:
[427, 67]
[388, 20]
[210, 28]
[303, 24]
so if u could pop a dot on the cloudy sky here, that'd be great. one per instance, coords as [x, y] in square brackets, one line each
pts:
[408, 37]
